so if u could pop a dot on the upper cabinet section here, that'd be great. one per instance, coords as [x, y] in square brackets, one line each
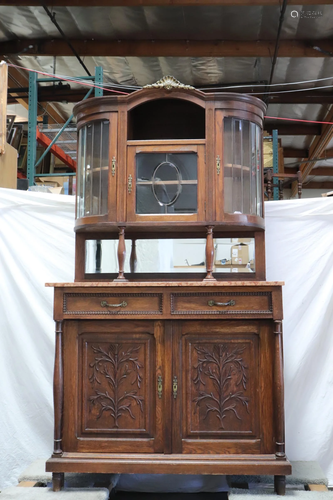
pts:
[172, 157]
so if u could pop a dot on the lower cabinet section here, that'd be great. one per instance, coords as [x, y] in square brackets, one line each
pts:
[169, 396]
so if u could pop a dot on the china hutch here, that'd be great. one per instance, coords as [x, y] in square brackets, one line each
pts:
[169, 342]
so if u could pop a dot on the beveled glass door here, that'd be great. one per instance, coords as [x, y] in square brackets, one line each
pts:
[165, 183]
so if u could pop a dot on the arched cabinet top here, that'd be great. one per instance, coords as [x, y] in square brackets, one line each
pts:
[222, 100]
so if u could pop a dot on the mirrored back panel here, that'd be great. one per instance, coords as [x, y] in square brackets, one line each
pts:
[172, 256]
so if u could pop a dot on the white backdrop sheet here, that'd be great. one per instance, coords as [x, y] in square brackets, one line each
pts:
[37, 246]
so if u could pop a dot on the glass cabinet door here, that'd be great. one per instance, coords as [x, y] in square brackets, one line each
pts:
[242, 167]
[97, 148]
[165, 183]
[93, 166]
[238, 167]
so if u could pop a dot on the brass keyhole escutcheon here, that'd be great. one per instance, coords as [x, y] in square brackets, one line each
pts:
[159, 386]
[175, 387]
[113, 167]
[218, 165]
[129, 184]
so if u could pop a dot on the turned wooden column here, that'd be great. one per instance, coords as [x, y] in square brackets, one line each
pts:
[133, 257]
[58, 403]
[279, 391]
[58, 391]
[98, 256]
[279, 481]
[209, 255]
[121, 255]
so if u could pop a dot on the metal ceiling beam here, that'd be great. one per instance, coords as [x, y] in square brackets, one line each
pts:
[318, 185]
[321, 171]
[303, 153]
[295, 153]
[65, 93]
[293, 129]
[157, 3]
[166, 48]
[317, 148]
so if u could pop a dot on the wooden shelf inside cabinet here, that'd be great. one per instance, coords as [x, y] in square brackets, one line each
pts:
[183, 363]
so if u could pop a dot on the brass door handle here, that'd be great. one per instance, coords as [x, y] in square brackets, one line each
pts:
[175, 387]
[212, 303]
[105, 304]
[159, 386]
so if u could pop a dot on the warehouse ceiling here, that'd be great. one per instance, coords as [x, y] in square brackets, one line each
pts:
[209, 44]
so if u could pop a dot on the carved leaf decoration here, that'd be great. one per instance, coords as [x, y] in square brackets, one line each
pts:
[168, 82]
[115, 365]
[223, 367]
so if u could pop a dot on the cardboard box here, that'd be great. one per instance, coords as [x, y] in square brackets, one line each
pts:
[240, 254]
[241, 240]
[241, 269]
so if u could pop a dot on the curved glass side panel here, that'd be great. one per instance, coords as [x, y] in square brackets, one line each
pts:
[242, 167]
[93, 167]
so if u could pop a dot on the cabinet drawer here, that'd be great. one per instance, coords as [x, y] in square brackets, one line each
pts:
[106, 304]
[222, 303]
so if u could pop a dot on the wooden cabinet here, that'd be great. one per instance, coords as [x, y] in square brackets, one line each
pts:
[179, 377]
[169, 342]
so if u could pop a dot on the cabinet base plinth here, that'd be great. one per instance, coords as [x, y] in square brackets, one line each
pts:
[170, 464]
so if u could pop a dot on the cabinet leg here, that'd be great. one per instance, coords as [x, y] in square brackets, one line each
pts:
[280, 485]
[58, 479]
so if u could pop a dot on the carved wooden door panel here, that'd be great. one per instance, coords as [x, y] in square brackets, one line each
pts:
[223, 370]
[115, 401]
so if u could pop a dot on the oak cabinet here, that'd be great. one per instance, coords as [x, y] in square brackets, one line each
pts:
[164, 378]
[168, 354]
[119, 393]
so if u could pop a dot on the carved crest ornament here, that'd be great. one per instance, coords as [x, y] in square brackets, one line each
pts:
[168, 82]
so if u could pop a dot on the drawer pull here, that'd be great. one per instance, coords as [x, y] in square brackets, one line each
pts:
[105, 304]
[212, 303]
[159, 386]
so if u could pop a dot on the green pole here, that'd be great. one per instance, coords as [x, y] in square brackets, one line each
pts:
[98, 80]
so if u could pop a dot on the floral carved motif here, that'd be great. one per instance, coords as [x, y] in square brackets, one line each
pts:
[227, 371]
[114, 365]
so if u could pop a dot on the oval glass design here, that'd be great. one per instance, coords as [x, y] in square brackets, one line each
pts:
[166, 183]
